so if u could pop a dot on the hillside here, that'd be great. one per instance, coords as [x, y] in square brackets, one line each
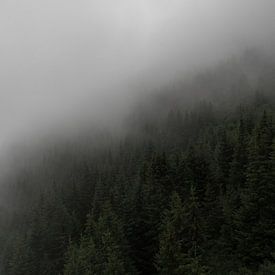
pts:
[187, 188]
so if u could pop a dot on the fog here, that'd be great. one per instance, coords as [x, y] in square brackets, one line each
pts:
[64, 60]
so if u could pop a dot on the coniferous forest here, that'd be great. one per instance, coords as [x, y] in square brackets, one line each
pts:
[188, 187]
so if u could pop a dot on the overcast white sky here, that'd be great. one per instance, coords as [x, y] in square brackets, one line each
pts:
[59, 56]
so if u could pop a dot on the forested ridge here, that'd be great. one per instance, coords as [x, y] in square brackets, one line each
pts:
[182, 191]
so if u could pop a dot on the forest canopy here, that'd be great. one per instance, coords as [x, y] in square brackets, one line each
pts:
[188, 188]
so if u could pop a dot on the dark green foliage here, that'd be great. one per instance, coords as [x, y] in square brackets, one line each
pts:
[186, 192]
[180, 249]
[102, 248]
[255, 220]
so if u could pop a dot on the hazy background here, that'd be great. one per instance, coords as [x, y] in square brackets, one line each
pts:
[63, 60]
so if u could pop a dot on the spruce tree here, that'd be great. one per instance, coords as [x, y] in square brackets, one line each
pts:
[255, 220]
[180, 245]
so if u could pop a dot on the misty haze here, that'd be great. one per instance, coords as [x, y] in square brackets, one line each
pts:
[137, 137]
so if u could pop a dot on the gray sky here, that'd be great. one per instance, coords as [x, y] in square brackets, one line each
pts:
[62, 58]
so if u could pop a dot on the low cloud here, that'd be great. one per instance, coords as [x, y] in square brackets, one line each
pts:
[66, 59]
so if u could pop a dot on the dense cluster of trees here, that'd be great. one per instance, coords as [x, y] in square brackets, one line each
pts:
[190, 193]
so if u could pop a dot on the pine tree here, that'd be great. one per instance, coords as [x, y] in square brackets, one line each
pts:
[170, 257]
[180, 250]
[239, 163]
[224, 158]
[102, 249]
[255, 220]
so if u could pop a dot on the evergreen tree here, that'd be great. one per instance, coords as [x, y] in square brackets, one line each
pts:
[255, 220]
[180, 250]
[102, 249]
